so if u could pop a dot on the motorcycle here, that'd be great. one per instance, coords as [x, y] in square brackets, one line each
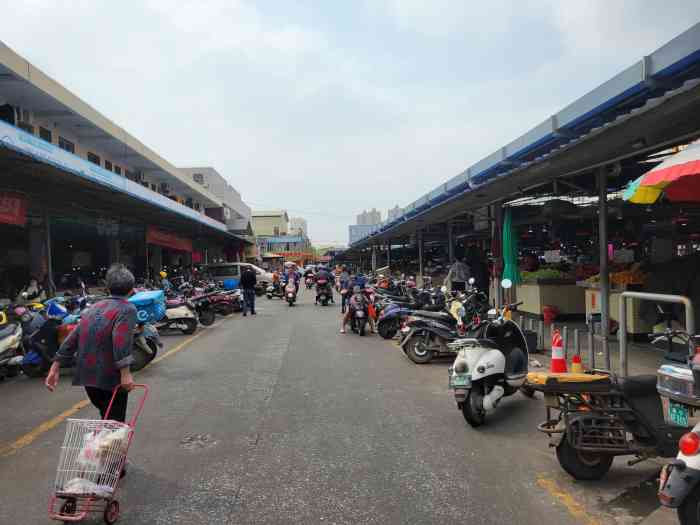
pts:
[205, 309]
[489, 366]
[225, 303]
[182, 316]
[11, 353]
[309, 281]
[290, 293]
[324, 292]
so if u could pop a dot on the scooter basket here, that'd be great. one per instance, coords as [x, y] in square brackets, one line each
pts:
[150, 306]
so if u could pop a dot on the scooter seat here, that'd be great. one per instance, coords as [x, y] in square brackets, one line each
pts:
[442, 316]
[171, 306]
[640, 392]
[8, 330]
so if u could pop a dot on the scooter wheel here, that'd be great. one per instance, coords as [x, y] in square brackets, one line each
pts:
[111, 514]
[269, 297]
[473, 410]
[583, 466]
[191, 326]
[416, 352]
[35, 370]
[689, 511]
[207, 317]
[387, 330]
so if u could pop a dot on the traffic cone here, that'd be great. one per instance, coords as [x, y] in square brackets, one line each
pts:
[558, 365]
[576, 365]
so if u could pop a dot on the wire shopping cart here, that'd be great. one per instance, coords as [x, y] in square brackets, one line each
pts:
[93, 455]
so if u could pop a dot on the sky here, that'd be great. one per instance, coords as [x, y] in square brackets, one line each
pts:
[328, 108]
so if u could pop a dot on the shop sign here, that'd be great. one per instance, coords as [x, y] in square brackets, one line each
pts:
[107, 227]
[167, 240]
[292, 255]
[552, 256]
[13, 209]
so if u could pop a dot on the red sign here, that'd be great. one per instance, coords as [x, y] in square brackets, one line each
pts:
[13, 208]
[167, 240]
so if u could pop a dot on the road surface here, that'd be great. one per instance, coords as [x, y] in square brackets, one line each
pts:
[279, 419]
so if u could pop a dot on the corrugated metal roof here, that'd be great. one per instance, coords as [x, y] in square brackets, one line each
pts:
[637, 89]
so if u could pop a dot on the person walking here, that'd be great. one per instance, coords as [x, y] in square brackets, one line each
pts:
[101, 344]
[458, 275]
[248, 282]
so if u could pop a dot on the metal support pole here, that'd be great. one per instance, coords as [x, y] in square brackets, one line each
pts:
[450, 243]
[388, 255]
[565, 340]
[577, 342]
[498, 229]
[591, 347]
[374, 258]
[419, 240]
[49, 258]
[604, 274]
[658, 298]
[540, 333]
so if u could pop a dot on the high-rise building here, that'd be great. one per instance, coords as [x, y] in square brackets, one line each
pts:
[367, 218]
[394, 213]
[298, 225]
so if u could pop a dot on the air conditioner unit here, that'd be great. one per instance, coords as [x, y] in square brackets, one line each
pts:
[198, 178]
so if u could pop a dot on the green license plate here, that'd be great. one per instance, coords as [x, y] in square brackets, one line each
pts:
[678, 413]
[460, 380]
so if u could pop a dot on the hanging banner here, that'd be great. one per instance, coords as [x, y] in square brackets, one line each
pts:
[167, 240]
[13, 209]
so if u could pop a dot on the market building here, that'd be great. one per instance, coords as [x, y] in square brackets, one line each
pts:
[561, 191]
[276, 240]
[78, 192]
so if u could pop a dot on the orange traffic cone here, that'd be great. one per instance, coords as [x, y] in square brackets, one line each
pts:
[576, 365]
[558, 360]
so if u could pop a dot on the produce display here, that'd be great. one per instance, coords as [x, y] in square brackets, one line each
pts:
[633, 275]
[544, 274]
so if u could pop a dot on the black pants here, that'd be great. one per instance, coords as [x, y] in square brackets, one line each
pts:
[248, 300]
[101, 398]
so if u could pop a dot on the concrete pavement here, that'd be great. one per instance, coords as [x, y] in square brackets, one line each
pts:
[279, 419]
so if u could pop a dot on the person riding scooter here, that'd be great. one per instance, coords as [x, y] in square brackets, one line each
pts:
[324, 275]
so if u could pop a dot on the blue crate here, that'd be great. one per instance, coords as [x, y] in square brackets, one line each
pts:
[150, 305]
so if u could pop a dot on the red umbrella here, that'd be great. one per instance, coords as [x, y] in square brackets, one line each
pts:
[678, 178]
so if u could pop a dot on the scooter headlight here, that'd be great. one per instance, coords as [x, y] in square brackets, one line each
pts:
[689, 444]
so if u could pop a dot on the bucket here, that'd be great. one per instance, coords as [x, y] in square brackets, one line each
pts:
[549, 313]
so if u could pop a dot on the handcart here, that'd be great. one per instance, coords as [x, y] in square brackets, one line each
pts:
[92, 458]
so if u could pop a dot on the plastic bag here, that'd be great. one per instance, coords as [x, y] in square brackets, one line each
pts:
[84, 486]
[101, 445]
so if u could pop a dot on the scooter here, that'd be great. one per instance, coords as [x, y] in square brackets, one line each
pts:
[309, 281]
[275, 290]
[11, 354]
[358, 320]
[324, 292]
[490, 366]
[290, 293]
[146, 344]
[181, 317]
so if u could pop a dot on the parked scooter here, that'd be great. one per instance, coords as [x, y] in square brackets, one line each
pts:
[180, 317]
[275, 290]
[10, 349]
[146, 344]
[360, 316]
[490, 366]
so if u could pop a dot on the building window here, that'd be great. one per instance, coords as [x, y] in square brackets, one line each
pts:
[108, 165]
[144, 184]
[196, 206]
[198, 178]
[276, 230]
[188, 202]
[66, 145]
[95, 159]
[117, 170]
[154, 187]
[45, 134]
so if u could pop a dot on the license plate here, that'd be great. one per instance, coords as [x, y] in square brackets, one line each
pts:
[460, 380]
[678, 414]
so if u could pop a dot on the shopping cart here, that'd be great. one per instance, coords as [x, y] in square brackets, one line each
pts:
[93, 455]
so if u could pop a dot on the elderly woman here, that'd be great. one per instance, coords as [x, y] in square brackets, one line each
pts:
[102, 344]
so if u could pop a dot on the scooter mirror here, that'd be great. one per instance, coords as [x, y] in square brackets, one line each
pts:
[443, 289]
[471, 280]
[25, 295]
[506, 283]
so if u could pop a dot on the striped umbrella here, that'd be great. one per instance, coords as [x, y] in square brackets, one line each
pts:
[677, 178]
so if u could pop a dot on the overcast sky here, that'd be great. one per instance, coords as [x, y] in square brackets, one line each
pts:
[325, 108]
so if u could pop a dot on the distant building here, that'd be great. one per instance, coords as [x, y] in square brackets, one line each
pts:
[371, 217]
[394, 213]
[298, 225]
[358, 231]
[270, 222]
[234, 212]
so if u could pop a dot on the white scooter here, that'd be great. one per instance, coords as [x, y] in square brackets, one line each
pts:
[290, 292]
[489, 366]
[181, 317]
